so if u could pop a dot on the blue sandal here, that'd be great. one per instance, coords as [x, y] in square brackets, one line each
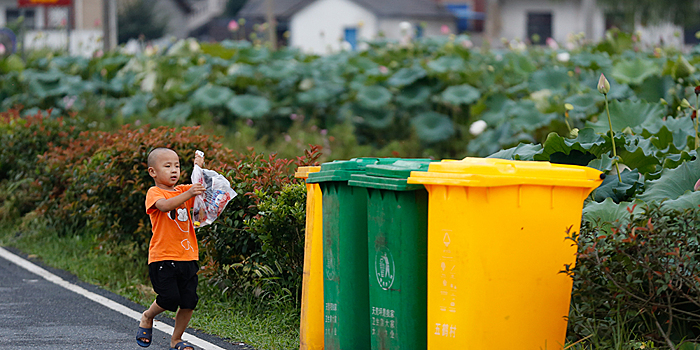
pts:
[182, 345]
[144, 333]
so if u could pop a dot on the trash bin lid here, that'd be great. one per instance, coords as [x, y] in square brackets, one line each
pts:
[304, 171]
[492, 172]
[390, 176]
[341, 170]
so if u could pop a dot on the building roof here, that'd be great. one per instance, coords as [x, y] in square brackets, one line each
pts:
[382, 8]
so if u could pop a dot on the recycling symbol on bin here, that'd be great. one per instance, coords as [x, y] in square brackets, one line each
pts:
[384, 268]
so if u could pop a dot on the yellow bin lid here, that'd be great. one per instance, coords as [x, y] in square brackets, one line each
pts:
[304, 171]
[492, 172]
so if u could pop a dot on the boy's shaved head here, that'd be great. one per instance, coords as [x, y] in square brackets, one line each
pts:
[153, 156]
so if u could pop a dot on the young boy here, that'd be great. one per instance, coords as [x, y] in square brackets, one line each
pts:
[173, 251]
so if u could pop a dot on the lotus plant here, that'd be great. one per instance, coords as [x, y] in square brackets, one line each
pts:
[604, 88]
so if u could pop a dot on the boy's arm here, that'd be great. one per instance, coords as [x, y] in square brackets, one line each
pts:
[166, 205]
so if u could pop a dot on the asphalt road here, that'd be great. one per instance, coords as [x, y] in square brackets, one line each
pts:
[36, 313]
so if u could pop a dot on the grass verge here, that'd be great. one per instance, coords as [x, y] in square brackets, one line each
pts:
[261, 324]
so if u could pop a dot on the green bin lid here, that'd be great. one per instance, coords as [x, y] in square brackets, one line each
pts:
[390, 176]
[341, 170]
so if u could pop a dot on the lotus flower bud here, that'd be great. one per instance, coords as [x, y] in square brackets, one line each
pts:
[603, 85]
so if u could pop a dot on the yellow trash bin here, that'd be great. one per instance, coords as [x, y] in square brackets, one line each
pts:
[496, 245]
[311, 328]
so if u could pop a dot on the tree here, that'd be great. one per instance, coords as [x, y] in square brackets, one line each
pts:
[680, 12]
[138, 18]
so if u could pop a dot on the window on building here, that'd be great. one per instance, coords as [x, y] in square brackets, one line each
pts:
[539, 27]
[351, 37]
[12, 15]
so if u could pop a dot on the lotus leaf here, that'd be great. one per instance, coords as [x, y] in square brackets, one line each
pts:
[112, 64]
[640, 154]
[654, 88]
[525, 116]
[610, 213]
[447, 64]
[240, 70]
[373, 97]
[253, 55]
[585, 104]
[363, 64]
[634, 72]
[523, 151]
[414, 95]
[236, 44]
[554, 78]
[249, 106]
[211, 96]
[375, 118]
[278, 70]
[611, 187]
[520, 63]
[433, 127]
[320, 94]
[407, 76]
[460, 94]
[673, 182]
[588, 145]
[672, 161]
[177, 114]
[492, 140]
[627, 114]
[497, 106]
[136, 105]
[594, 61]
[196, 76]
[604, 163]
[686, 201]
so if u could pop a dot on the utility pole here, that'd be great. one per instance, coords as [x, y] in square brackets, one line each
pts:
[109, 24]
[271, 23]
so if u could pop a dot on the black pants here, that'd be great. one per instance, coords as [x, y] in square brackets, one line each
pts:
[175, 282]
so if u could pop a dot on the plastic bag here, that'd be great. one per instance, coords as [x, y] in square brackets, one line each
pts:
[209, 205]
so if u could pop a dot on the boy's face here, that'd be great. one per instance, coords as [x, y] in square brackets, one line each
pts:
[166, 169]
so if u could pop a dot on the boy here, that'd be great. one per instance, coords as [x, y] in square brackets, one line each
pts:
[173, 251]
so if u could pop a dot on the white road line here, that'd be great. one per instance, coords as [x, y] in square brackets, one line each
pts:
[205, 345]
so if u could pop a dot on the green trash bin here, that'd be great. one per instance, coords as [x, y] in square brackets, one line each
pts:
[345, 284]
[397, 227]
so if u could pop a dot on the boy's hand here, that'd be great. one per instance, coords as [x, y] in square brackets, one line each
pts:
[196, 189]
[199, 158]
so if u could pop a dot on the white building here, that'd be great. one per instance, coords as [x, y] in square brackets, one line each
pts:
[521, 19]
[323, 26]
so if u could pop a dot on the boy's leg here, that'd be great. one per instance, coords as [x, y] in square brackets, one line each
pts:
[148, 316]
[182, 319]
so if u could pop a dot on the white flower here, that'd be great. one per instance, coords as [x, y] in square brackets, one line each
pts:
[563, 57]
[405, 26]
[346, 46]
[477, 127]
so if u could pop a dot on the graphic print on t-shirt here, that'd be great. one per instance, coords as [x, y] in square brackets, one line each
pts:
[179, 215]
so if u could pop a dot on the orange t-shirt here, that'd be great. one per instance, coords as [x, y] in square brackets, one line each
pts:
[173, 232]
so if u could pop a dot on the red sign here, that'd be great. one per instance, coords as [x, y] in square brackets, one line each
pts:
[35, 3]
